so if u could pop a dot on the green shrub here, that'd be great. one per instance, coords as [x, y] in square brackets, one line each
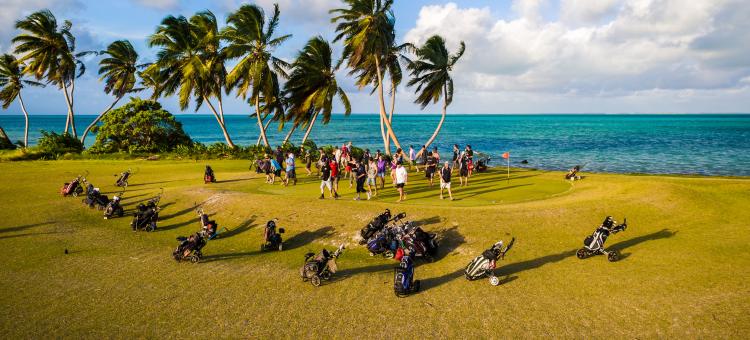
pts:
[140, 126]
[52, 144]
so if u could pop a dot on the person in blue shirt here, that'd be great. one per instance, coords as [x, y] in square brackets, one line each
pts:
[275, 170]
[290, 172]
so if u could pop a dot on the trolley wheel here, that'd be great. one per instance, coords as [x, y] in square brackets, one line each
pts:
[581, 253]
[325, 275]
[281, 246]
[494, 280]
[194, 259]
[75, 194]
[150, 227]
[613, 256]
[315, 280]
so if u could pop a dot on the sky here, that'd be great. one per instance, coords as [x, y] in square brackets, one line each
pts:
[522, 56]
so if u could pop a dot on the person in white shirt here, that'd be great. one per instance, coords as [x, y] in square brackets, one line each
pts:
[401, 179]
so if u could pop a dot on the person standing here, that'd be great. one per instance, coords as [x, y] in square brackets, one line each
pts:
[290, 170]
[470, 156]
[276, 168]
[381, 170]
[361, 177]
[334, 165]
[372, 172]
[463, 171]
[430, 168]
[308, 162]
[422, 157]
[445, 180]
[279, 155]
[401, 179]
[366, 157]
[456, 152]
[412, 157]
[325, 180]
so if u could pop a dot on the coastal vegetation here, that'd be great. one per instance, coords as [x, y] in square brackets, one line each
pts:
[193, 56]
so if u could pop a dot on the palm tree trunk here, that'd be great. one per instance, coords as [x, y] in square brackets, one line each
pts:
[88, 128]
[390, 116]
[440, 124]
[26, 117]
[221, 123]
[381, 101]
[260, 122]
[383, 134]
[72, 108]
[288, 135]
[265, 128]
[309, 128]
[4, 136]
[67, 103]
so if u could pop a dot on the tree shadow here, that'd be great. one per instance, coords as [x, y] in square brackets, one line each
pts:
[179, 213]
[23, 227]
[515, 268]
[129, 197]
[303, 238]
[233, 180]
[28, 234]
[152, 183]
[243, 227]
[428, 221]
[176, 225]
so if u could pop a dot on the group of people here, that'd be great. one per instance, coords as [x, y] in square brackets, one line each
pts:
[367, 171]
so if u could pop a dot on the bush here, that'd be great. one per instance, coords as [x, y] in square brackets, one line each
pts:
[140, 126]
[53, 144]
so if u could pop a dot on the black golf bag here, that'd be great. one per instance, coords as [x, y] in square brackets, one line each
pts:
[114, 208]
[190, 248]
[208, 175]
[377, 224]
[94, 198]
[320, 267]
[271, 239]
[122, 181]
[594, 243]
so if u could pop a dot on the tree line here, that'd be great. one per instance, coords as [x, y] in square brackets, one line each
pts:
[192, 62]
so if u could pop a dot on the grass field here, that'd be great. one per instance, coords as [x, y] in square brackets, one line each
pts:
[684, 272]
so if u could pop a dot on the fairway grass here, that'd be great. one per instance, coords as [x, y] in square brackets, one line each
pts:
[684, 272]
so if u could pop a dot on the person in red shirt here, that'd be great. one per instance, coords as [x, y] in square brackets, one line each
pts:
[335, 177]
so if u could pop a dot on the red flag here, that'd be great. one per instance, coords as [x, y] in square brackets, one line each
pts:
[506, 155]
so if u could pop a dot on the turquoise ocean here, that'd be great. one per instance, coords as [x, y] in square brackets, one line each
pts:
[708, 144]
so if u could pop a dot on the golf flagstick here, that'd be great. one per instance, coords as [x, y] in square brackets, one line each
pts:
[506, 155]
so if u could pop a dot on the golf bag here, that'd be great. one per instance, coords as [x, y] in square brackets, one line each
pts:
[594, 244]
[122, 181]
[483, 164]
[377, 224]
[403, 277]
[424, 245]
[208, 175]
[146, 215]
[114, 208]
[271, 239]
[94, 198]
[484, 265]
[208, 226]
[190, 248]
[73, 188]
[320, 267]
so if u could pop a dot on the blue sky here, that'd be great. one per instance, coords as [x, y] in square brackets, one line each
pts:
[523, 56]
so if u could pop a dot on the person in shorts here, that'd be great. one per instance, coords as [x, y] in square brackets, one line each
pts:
[456, 152]
[290, 170]
[381, 170]
[463, 171]
[334, 166]
[401, 179]
[430, 167]
[275, 170]
[445, 180]
[325, 180]
[308, 162]
[361, 175]
[372, 173]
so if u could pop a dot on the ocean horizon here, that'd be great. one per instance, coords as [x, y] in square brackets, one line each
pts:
[679, 143]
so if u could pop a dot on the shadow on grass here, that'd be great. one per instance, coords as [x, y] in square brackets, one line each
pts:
[28, 234]
[450, 239]
[23, 227]
[243, 227]
[152, 183]
[229, 256]
[518, 267]
[620, 246]
[233, 180]
[343, 274]
[428, 221]
[433, 282]
[306, 237]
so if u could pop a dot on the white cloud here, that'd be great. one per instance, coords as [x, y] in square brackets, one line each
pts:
[295, 12]
[612, 49]
[160, 4]
[13, 10]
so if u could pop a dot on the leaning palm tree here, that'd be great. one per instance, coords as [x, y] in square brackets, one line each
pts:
[190, 63]
[118, 72]
[312, 87]
[11, 82]
[49, 53]
[431, 74]
[367, 28]
[250, 38]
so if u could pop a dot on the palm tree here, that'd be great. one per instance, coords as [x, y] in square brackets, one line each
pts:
[312, 87]
[368, 30]
[49, 54]
[251, 39]
[431, 74]
[190, 63]
[11, 82]
[118, 72]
